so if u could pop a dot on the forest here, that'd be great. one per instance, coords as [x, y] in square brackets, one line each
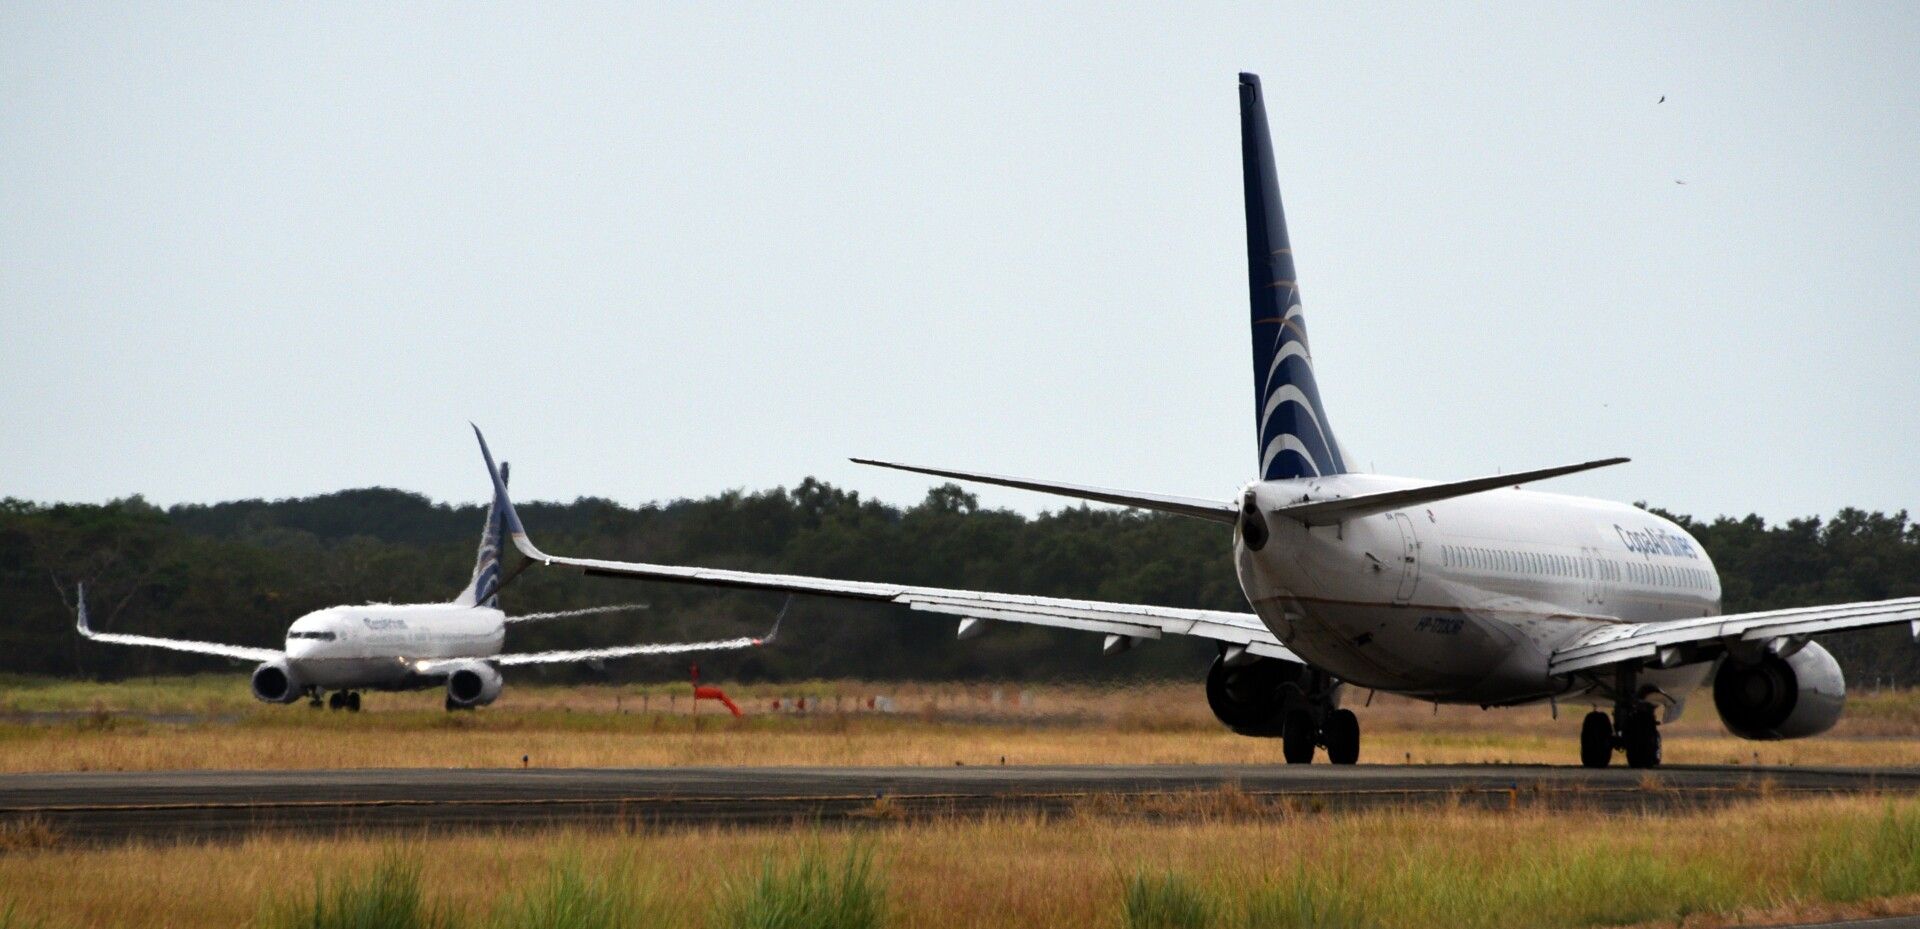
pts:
[240, 571]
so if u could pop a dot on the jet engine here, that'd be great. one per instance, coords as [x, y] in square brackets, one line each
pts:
[1780, 698]
[471, 684]
[275, 682]
[1253, 698]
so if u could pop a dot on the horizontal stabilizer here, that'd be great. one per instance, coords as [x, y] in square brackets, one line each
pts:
[1217, 510]
[1327, 512]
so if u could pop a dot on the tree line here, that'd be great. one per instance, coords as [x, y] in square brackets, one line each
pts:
[240, 571]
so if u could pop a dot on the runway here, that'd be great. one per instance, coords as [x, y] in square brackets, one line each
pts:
[104, 807]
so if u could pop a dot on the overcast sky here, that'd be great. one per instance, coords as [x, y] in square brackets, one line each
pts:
[275, 250]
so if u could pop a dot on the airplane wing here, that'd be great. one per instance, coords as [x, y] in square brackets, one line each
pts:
[241, 652]
[1122, 623]
[569, 614]
[1679, 641]
[435, 667]
[1219, 511]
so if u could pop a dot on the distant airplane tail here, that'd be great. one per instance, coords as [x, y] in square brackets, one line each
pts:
[484, 588]
[1295, 439]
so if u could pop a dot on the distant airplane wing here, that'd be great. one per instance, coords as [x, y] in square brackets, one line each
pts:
[1680, 641]
[569, 614]
[440, 666]
[1122, 623]
[240, 652]
[1218, 511]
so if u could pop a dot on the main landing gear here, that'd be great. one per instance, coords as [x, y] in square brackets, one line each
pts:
[1339, 732]
[348, 700]
[1632, 727]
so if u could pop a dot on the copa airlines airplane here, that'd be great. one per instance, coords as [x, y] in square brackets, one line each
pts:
[382, 646]
[1470, 591]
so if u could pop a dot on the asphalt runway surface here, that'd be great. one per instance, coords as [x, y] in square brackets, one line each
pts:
[109, 807]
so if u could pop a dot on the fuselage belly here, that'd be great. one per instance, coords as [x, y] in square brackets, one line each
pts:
[1465, 600]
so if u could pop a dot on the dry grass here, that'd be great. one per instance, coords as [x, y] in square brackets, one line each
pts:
[209, 722]
[1782, 860]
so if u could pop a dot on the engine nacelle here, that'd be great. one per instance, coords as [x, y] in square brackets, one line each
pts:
[1780, 698]
[1253, 698]
[473, 683]
[275, 682]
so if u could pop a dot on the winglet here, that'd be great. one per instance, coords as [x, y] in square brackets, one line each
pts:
[80, 605]
[504, 506]
[777, 620]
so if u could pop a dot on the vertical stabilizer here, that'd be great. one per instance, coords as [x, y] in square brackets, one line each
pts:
[1295, 438]
[484, 588]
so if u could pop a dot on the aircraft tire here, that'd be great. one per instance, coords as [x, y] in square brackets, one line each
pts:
[336, 700]
[1642, 735]
[1342, 735]
[1296, 740]
[353, 702]
[1596, 740]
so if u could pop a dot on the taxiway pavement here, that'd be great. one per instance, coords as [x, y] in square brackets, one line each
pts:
[98, 807]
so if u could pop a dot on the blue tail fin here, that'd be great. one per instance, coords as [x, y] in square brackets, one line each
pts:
[1295, 439]
[484, 588]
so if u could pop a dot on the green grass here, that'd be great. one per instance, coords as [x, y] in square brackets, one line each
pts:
[1167, 901]
[1303, 902]
[388, 898]
[812, 892]
[571, 898]
[10, 918]
[1880, 860]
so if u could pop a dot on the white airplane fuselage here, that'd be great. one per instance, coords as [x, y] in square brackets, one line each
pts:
[377, 646]
[1464, 600]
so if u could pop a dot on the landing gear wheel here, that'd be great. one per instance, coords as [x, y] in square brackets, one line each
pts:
[353, 702]
[336, 700]
[1596, 740]
[1342, 735]
[1641, 733]
[1296, 740]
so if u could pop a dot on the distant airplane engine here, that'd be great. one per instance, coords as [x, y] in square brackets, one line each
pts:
[471, 684]
[1780, 698]
[275, 682]
[1252, 698]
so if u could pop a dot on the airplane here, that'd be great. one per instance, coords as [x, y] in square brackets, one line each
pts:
[415, 646]
[1468, 592]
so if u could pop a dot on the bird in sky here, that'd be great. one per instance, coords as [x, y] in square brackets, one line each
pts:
[1663, 99]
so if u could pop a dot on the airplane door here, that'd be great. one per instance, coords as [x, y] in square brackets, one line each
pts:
[1409, 559]
[1596, 582]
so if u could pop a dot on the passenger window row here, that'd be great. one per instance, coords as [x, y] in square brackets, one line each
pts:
[1511, 562]
[1514, 562]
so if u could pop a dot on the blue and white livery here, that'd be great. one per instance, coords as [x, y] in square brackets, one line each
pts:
[343, 650]
[1471, 591]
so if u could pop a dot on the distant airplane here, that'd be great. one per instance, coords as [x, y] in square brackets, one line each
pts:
[380, 646]
[1470, 591]
[1663, 99]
